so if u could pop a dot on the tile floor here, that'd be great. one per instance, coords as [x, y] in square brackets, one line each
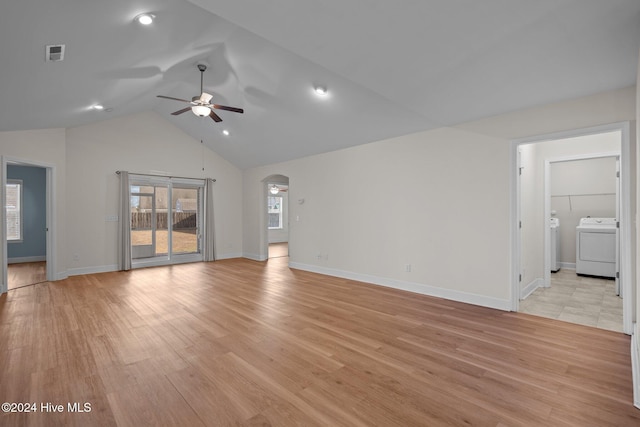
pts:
[587, 301]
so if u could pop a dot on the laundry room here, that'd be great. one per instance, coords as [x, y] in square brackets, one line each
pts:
[584, 188]
[569, 189]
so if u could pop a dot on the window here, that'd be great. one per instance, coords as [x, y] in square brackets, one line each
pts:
[14, 210]
[275, 212]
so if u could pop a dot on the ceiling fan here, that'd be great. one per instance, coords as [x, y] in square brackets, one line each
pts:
[200, 105]
[275, 189]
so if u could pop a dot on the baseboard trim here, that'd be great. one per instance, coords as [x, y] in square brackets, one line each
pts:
[568, 265]
[635, 365]
[114, 267]
[91, 270]
[228, 256]
[254, 257]
[420, 288]
[531, 287]
[19, 260]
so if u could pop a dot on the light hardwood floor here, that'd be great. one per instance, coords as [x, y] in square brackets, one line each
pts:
[26, 273]
[245, 343]
[277, 250]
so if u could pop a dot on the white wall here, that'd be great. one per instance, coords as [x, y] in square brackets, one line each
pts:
[138, 143]
[635, 353]
[44, 147]
[355, 220]
[600, 109]
[446, 210]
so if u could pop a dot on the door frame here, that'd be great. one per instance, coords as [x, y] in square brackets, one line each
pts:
[171, 258]
[625, 212]
[264, 213]
[50, 203]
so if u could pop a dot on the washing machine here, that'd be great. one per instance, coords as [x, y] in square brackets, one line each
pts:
[596, 247]
[555, 245]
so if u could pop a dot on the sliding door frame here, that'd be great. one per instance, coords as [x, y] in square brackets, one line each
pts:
[169, 183]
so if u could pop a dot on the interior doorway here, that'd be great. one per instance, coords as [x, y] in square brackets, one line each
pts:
[533, 217]
[276, 223]
[28, 233]
[581, 284]
[25, 212]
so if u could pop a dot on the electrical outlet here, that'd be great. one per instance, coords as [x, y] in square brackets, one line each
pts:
[407, 268]
[76, 257]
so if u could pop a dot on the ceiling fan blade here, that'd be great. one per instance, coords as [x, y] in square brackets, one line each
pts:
[175, 99]
[222, 107]
[205, 97]
[184, 110]
[215, 117]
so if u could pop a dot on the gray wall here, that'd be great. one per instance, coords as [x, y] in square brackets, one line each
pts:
[34, 243]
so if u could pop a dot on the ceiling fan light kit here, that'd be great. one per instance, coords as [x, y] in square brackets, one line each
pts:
[201, 110]
[201, 105]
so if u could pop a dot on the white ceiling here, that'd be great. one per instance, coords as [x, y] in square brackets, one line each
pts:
[391, 67]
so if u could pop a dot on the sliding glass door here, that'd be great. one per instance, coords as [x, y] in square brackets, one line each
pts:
[166, 215]
[143, 222]
[186, 220]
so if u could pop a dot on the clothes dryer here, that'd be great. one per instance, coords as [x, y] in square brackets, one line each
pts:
[596, 247]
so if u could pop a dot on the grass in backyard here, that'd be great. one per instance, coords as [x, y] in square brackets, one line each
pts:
[183, 241]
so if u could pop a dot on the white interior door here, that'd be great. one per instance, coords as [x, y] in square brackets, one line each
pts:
[617, 279]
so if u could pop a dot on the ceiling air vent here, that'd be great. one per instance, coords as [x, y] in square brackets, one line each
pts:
[55, 53]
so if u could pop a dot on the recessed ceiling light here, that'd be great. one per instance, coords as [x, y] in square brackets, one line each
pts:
[97, 107]
[144, 18]
[225, 132]
[320, 91]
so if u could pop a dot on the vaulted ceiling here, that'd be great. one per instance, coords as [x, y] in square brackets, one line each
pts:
[391, 67]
